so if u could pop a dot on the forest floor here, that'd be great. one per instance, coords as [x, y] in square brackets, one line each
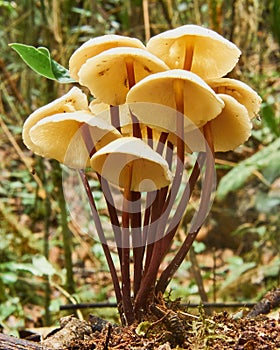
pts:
[217, 332]
[170, 326]
[175, 330]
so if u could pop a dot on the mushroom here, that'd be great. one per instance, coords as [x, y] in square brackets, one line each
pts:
[104, 112]
[197, 101]
[74, 100]
[243, 93]
[97, 45]
[71, 137]
[197, 49]
[111, 74]
[230, 128]
[129, 161]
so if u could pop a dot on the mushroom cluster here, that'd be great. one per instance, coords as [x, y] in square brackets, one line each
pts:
[148, 106]
[182, 69]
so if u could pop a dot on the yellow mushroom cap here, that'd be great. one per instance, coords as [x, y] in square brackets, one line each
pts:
[97, 45]
[106, 74]
[74, 100]
[61, 137]
[243, 93]
[231, 128]
[197, 49]
[148, 170]
[201, 103]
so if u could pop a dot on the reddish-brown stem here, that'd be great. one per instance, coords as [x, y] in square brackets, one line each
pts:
[112, 212]
[168, 273]
[115, 117]
[85, 131]
[149, 277]
[175, 221]
[102, 237]
[137, 239]
[169, 154]
[150, 136]
[105, 189]
[125, 263]
[157, 205]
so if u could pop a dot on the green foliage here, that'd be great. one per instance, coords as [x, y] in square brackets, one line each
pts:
[275, 18]
[39, 59]
[267, 159]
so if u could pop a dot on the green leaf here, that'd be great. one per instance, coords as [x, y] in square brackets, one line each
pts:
[237, 177]
[39, 60]
[269, 118]
[42, 266]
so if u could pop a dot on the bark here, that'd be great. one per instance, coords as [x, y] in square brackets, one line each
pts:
[8, 342]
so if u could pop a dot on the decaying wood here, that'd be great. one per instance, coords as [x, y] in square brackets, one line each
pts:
[71, 330]
[270, 301]
[8, 342]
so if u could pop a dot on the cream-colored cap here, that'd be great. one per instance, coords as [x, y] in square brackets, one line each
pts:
[243, 93]
[231, 128]
[70, 137]
[197, 49]
[110, 74]
[157, 100]
[132, 157]
[94, 46]
[73, 101]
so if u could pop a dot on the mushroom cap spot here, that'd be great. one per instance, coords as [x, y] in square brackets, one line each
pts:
[106, 74]
[149, 171]
[74, 100]
[243, 93]
[94, 46]
[60, 136]
[231, 128]
[201, 103]
[213, 56]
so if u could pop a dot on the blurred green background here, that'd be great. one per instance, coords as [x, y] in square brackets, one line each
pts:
[45, 259]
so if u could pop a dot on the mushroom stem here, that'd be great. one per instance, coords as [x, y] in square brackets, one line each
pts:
[130, 72]
[125, 263]
[168, 273]
[188, 57]
[105, 187]
[112, 212]
[102, 237]
[137, 240]
[150, 136]
[158, 250]
[87, 139]
[156, 207]
[115, 117]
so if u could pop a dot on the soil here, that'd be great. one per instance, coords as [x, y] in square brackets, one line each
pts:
[181, 330]
[169, 326]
